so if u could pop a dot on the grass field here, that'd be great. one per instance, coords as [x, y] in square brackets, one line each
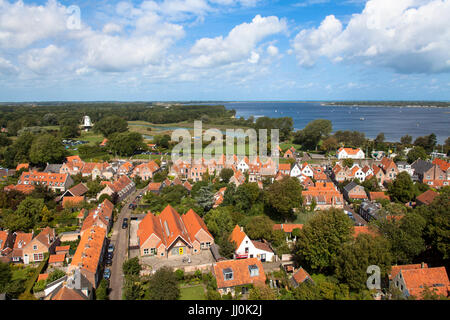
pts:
[193, 293]
[22, 273]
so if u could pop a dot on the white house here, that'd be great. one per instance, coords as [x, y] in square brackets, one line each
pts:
[350, 153]
[358, 173]
[247, 248]
[243, 165]
[307, 170]
[296, 171]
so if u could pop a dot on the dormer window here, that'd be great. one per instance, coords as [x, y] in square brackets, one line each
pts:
[228, 274]
[254, 270]
[35, 247]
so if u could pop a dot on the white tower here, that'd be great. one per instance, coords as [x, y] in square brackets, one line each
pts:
[87, 123]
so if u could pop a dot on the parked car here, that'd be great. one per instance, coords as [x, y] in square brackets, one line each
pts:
[111, 248]
[131, 206]
[107, 273]
[108, 262]
[125, 223]
[109, 255]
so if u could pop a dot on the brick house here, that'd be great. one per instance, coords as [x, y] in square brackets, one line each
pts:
[146, 170]
[353, 191]
[171, 235]
[44, 242]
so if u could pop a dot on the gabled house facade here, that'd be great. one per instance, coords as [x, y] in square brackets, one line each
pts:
[246, 248]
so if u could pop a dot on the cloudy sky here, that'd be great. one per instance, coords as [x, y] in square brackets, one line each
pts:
[224, 50]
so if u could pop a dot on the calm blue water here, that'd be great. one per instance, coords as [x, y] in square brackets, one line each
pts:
[394, 122]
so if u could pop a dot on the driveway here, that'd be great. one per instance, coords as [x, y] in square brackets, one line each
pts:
[120, 240]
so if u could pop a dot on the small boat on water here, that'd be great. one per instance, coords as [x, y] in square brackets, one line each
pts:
[362, 119]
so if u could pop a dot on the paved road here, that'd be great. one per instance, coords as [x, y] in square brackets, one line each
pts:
[120, 241]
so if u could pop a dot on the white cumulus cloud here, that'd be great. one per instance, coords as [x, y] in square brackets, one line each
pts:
[406, 35]
[237, 45]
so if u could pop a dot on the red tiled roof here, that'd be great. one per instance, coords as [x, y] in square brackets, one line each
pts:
[378, 196]
[154, 186]
[22, 166]
[62, 248]
[434, 278]
[396, 269]
[287, 227]
[427, 197]
[67, 294]
[194, 223]
[349, 151]
[79, 190]
[237, 235]
[89, 250]
[261, 246]
[24, 188]
[42, 276]
[241, 273]
[103, 212]
[3, 238]
[56, 258]
[301, 275]
[22, 239]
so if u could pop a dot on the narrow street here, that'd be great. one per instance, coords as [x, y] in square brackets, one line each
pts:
[120, 242]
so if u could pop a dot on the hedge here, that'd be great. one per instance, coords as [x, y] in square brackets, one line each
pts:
[30, 282]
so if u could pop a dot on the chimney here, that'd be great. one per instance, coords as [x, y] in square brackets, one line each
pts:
[242, 229]
[422, 265]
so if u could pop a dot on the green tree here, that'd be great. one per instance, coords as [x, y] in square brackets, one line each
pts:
[163, 285]
[321, 237]
[406, 140]
[283, 196]
[109, 125]
[205, 198]
[405, 236]
[101, 293]
[354, 257]
[260, 292]
[55, 275]
[311, 135]
[259, 227]
[415, 153]
[402, 189]
[131, 267]
[5, 276]
[329, 144]
[47, 149]
[226, 247]
[125, 143]
[246, 196]
[226, 174]
[219, 221]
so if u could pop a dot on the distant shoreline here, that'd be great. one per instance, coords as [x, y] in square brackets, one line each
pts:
[387, 105]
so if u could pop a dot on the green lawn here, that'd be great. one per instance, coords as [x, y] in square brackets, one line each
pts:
[193, 293]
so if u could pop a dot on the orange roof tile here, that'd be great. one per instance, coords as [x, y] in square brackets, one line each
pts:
[194, 223]
[22, 166]
[396, 269]
[56, 258]
[3, 238]
[62, 248]
[301, 275]
[287, 227]
[67, 294]
[427, 197]
[237, 235]
[42, 276]
[22, 239]
[241, 273]
[378, 196]
[434, 278]
[89, 250]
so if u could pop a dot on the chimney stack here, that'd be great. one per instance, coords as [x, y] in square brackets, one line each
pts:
[422, 265]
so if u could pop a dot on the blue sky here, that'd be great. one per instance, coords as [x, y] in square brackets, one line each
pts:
[225, 50]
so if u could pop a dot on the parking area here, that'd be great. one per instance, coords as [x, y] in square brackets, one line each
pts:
[133, 233]
[154, 263]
